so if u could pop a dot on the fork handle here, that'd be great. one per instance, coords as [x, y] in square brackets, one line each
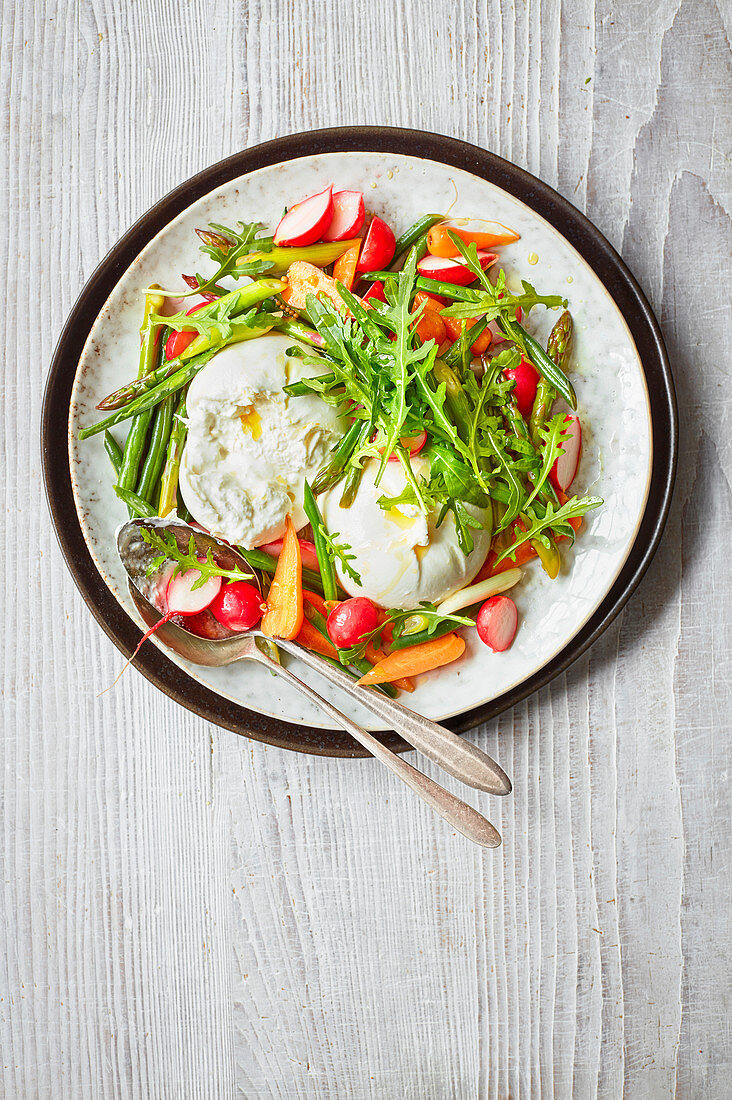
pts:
[454, 811]
[454, 754]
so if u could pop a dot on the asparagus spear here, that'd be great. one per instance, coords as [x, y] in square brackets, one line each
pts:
[557, 348]
[169, 480]
[149, 349]
[334, 470]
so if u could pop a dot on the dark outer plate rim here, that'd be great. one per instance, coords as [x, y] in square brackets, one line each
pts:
[541, 198]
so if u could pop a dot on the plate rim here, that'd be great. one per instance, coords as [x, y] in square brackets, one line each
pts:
[592, 246]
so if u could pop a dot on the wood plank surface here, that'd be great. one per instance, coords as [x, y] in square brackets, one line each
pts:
[188, 914]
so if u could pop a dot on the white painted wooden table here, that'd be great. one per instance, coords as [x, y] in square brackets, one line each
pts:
[188, 914]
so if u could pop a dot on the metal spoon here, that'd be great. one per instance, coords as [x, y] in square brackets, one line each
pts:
[460, 758]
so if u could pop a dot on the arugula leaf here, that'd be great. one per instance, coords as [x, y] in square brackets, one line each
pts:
[339, 550]
[166, 544]
[423, 619]
[554, 436]
[553, 519]
[226, 246]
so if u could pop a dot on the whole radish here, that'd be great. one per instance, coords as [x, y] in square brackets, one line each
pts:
[352, 620]
[239, 606]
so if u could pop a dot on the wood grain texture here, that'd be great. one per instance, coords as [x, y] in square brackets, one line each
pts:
[187, 914]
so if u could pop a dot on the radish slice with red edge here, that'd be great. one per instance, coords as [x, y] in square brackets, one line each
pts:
[452, 271]
[378, 247]
[306, 222]
[497, 623]
[349, 214]
[183, 599]
[565, 468]
[308, 553]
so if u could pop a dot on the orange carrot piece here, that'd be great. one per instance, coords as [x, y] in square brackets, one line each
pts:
[435, 304]
[344, 269]
[315, 600]
[431, 326]
[416, 659]
[311, 638]
[284, 615]
[375, 654]
[455, 331]
[439, 244]
[524, 554]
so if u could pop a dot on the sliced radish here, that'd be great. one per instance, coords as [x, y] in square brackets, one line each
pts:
[349, 213]
[376, 290]
[526, 377]
[183, 599]
[565, 468]
[308, 553]
[497, 622]
[378, 247]
[451, 271]
[306, 221]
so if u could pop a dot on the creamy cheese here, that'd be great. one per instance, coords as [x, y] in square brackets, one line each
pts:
[401, 555]
[249, 447]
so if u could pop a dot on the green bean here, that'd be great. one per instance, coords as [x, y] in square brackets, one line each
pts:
[148, 483]
[420, 636]
[411, 236]
[298, 331]
[169, 479]
[557, 349]
[325, 561]
[136, 505]
[334, 470]
[150, 349]
[114, 451]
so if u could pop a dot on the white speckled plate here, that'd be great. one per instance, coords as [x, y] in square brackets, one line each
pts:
[609, 377]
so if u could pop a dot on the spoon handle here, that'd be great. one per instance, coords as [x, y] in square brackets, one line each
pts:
[454, 754]
[455, 812]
